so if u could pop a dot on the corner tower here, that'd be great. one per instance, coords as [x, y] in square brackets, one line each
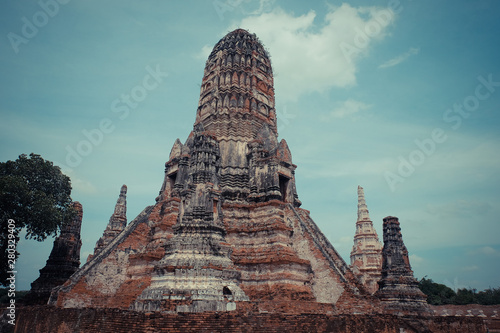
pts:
[366, 254]
[398, 289]
[63, 261]
[117, 223]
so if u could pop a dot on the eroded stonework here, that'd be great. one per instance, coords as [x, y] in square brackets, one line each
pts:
[63, 261]
[196, 272]
[226, 231]
[366, 254]
[117, 222]
[398, 289]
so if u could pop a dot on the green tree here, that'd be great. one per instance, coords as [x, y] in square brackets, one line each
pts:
[466, 296]
[486, 297]
[437, 294]
[36, 195]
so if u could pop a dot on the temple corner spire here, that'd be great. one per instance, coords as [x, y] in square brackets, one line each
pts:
[117, 223]
[366, 254]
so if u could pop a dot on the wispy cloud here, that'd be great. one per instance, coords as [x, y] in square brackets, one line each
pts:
[459, 208]
[311, 59]
[347, 108]
[399, 59]
[486, 251]
[416, 260]
[78, 184]
[470, 268]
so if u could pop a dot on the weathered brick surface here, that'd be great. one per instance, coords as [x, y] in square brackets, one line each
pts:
[114, 269]
[366, 254]
[398, 288]
[226, 233]
[45, 319]
[117, 222]
[63, 261]
[489, 313]
[226, 224]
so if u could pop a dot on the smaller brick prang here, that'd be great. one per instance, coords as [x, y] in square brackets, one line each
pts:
[117, 222]
[63, 261]
[398, 289]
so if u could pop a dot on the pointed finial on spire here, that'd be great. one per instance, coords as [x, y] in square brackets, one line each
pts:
[117, 223]
[121, 204]
[363, 213]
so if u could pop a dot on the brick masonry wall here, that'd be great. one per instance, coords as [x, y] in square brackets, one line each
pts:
[47, 319]
[489, 313]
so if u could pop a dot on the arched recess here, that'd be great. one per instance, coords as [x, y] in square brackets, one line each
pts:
[235, 79]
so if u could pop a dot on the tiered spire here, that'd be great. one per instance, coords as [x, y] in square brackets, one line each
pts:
[237, 94]
[398, 288]
[363, 214]
[196, 271]
[117, 222]
[63, 261]
[366, 254]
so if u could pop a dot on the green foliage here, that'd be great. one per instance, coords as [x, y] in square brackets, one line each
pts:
[36, 195]
[439, 294]
[5, 299]
[466, 296]
[489, 296]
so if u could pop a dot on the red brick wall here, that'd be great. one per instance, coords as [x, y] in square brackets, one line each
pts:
[45, 319]
[489, 313]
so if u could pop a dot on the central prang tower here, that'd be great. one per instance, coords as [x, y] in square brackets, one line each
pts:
[237, 94]
[227, 230]
[237, 107]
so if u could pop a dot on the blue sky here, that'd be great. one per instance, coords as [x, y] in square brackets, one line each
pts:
[400, 97]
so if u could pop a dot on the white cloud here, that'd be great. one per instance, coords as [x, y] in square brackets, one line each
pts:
[490, 251]
[347, 108]
[77, 184]
[399, 59]
[455, 285]
[486, 251]
[264, 5]
[470, 268]
[204, 53]
[416, 260]
[311, 56]
[459, 208]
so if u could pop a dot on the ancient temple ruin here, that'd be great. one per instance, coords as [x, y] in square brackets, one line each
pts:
[64, 259]
[227, 246]
[227, 230]
[117, 222]
[398, 289]
[366, 254]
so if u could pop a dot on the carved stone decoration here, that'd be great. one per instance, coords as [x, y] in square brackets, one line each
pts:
[398, 289]
[227, 228]
[117, 222]
[196, 274]
[63, 261]
[366, 254]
